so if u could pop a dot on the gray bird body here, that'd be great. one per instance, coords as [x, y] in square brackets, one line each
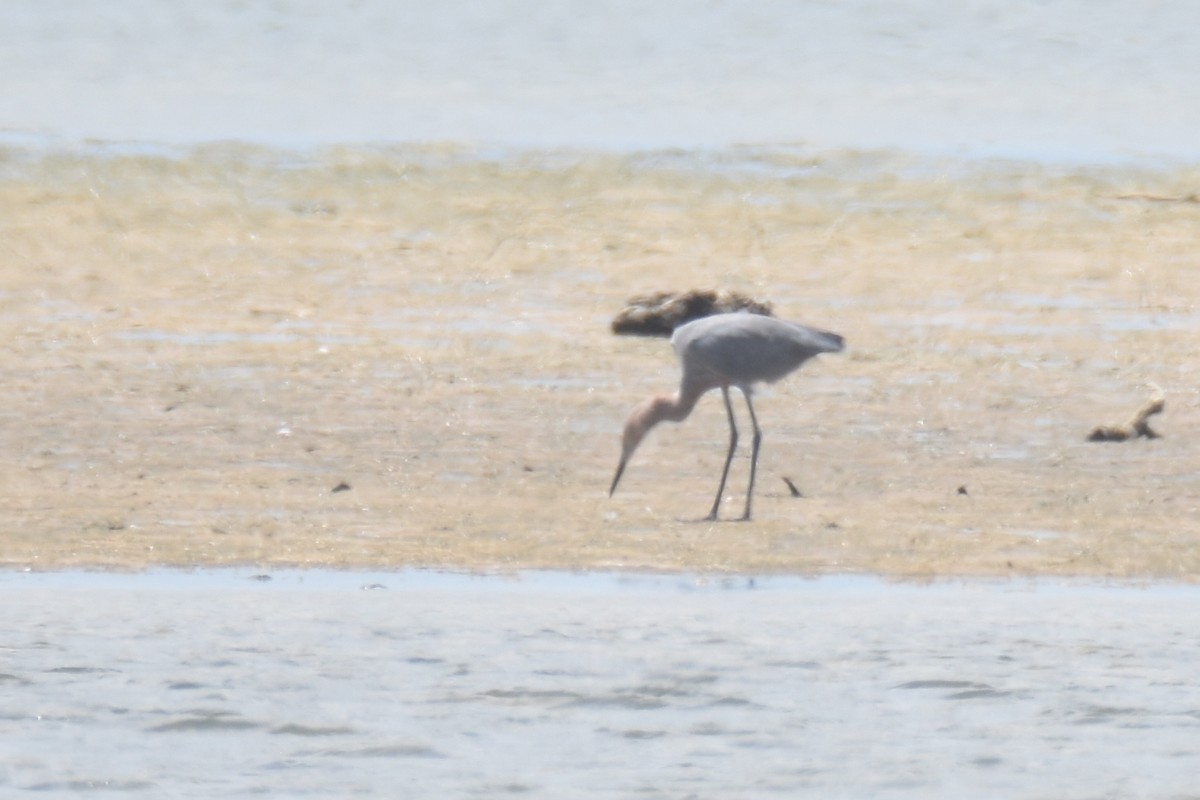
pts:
[743, 349]
[721, 351]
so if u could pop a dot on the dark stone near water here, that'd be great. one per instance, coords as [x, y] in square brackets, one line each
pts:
[660, 313]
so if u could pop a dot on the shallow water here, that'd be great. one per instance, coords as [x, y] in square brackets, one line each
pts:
[424, 685]
[1066, 80]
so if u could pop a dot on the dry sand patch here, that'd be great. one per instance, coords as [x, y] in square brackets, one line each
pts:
[202, 346]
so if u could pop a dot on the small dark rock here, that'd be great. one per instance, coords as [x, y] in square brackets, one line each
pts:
[660, 313]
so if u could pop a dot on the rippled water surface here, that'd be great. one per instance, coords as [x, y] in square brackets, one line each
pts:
[420, 685]
[1069, 79]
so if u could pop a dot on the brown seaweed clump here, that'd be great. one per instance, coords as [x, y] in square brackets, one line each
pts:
[660, 313]
[1138, 425]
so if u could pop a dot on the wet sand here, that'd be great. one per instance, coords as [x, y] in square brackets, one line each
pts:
[201, 346]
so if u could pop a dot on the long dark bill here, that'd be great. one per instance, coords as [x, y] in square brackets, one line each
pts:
[616, 478]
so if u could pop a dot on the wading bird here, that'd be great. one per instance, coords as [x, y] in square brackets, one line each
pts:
[719, 352]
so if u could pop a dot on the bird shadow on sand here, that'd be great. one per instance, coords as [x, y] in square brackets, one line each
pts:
[699, 520]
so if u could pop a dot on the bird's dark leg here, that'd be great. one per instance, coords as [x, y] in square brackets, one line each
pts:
[733, 439]
[753, 455]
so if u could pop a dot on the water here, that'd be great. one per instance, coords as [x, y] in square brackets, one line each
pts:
[1072, 80]
[422, 685]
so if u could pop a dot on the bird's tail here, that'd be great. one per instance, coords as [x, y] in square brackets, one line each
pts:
[831, 342]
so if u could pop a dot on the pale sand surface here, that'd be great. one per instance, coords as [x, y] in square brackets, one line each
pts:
[199, 347]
